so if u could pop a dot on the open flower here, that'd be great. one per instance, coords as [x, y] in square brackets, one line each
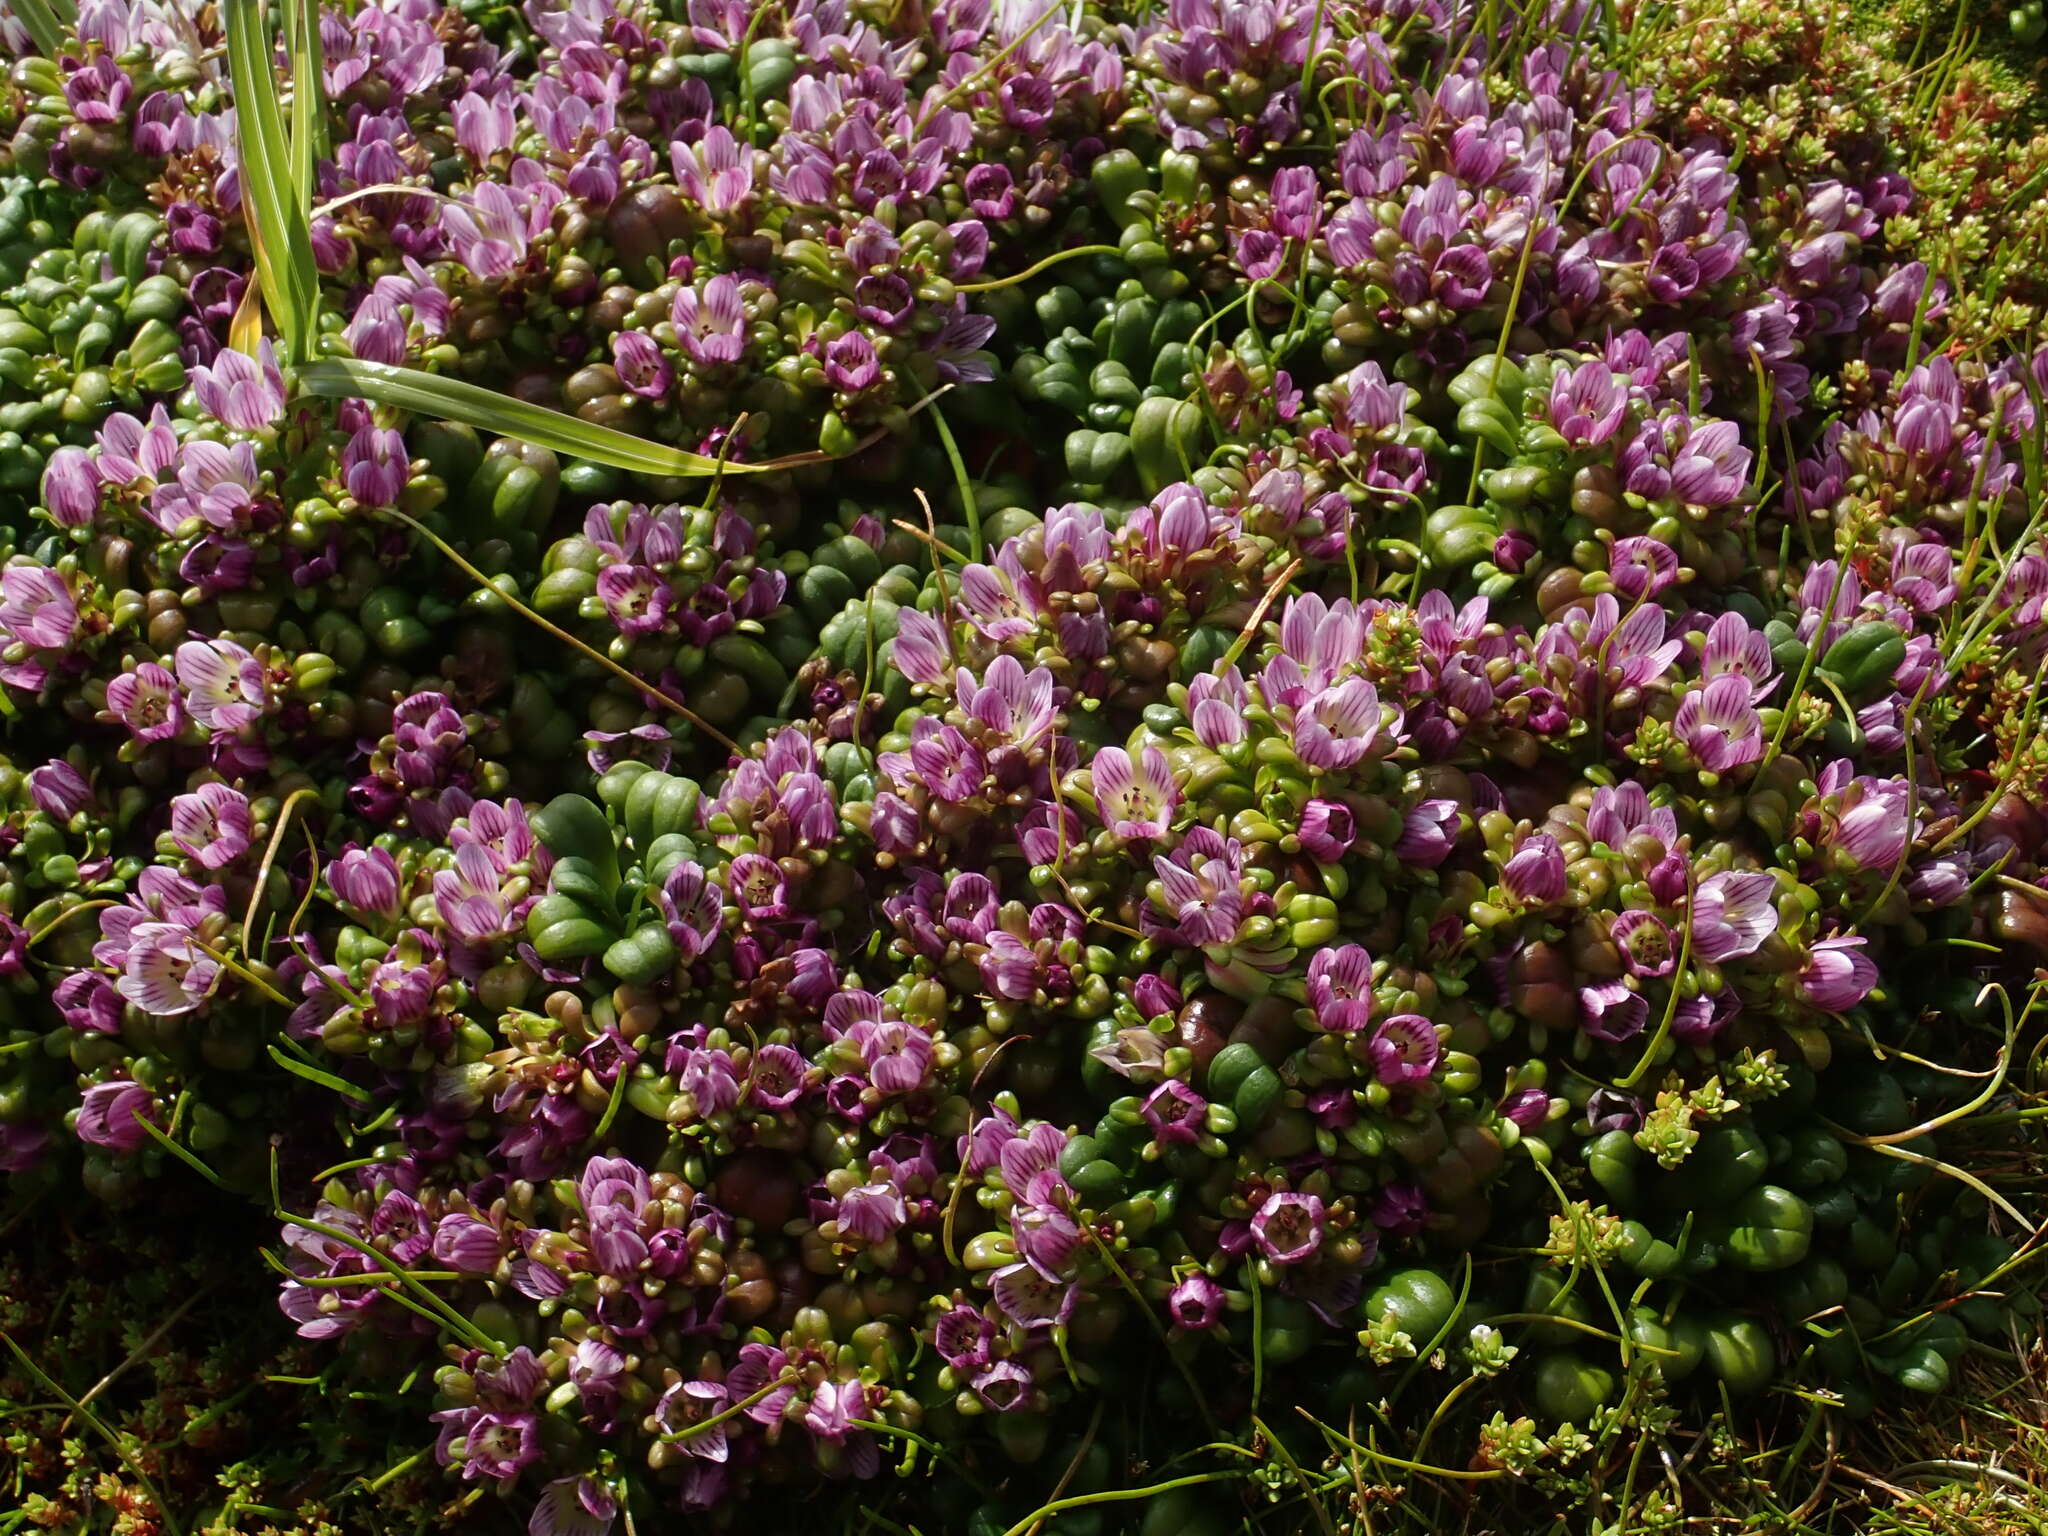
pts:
[1612, 1012]
[1340, 988]
[1733, 913]
[1405, 1049]
[1135, 800]
[242, 392]
[1196, 1302]
[213, 825]
[1288, 1227]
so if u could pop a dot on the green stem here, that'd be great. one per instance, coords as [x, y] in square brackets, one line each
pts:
[1037, 267]
[1118, 1496]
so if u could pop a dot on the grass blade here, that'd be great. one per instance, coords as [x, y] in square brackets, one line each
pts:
[314, 1075]
[184, 1155]
[277, 220]
[44, 26]
[309, 122]
[429, 394]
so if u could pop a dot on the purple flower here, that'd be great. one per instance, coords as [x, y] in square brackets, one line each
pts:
[1712, 468]
[129, 451]
[1923, 575]
[962, 1338]
[919, 649]
[494, 1445]
[242, 392]
[1733, 647]
[716, 172]
[1010, 969]
[1046, 1236]
[870, 1212]
[465, 1244]
[148, 702]
[1328, 830]
[1340, 988]
[1930, 409]
[58, 789]
[1697, 1020]
[71, 488]
[98, 92]
[107, 1116]
[376, 333]
[694, 1402]
[165, 972]
[1198, 886]
[640, 364]
[777, 1076]
[636, 599]
[224, 686]
[575, 1506]
[1609, 1109]
[1174, 1111]
[1874, 829]
[1938, 883]
[1288, 1228]
[711, 326]
[367, 879]
[897, 1056]
[1029, 1298]
[88, 1003]
[192, 231]
[374, 466]
[1155, 996]
[1260, 253]
[1587, 404]
[1534, 875]
[1611, 1012]
[1719, 725]
[1003, 1387]
[1016, 706]
[1339, 727]
[709, 1077]
[1733, 913]
[1135, 800]
[213, 825]
[1399, 1209]
[1196, 1302]
[488, 232]
[1428, 833]
[991, 193]
[1645, 943]
[1405, 1049]
[1512, 551]
[484, 126]
[1641, 568]
[1837, 975]
[36, 607]
[1216, 705]
[850, 363]
[1296, 202]
[1526, 1107]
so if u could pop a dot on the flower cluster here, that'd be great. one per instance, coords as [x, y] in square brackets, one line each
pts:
[1309, 643]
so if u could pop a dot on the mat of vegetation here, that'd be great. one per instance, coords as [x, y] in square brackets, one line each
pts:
[987, 766]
